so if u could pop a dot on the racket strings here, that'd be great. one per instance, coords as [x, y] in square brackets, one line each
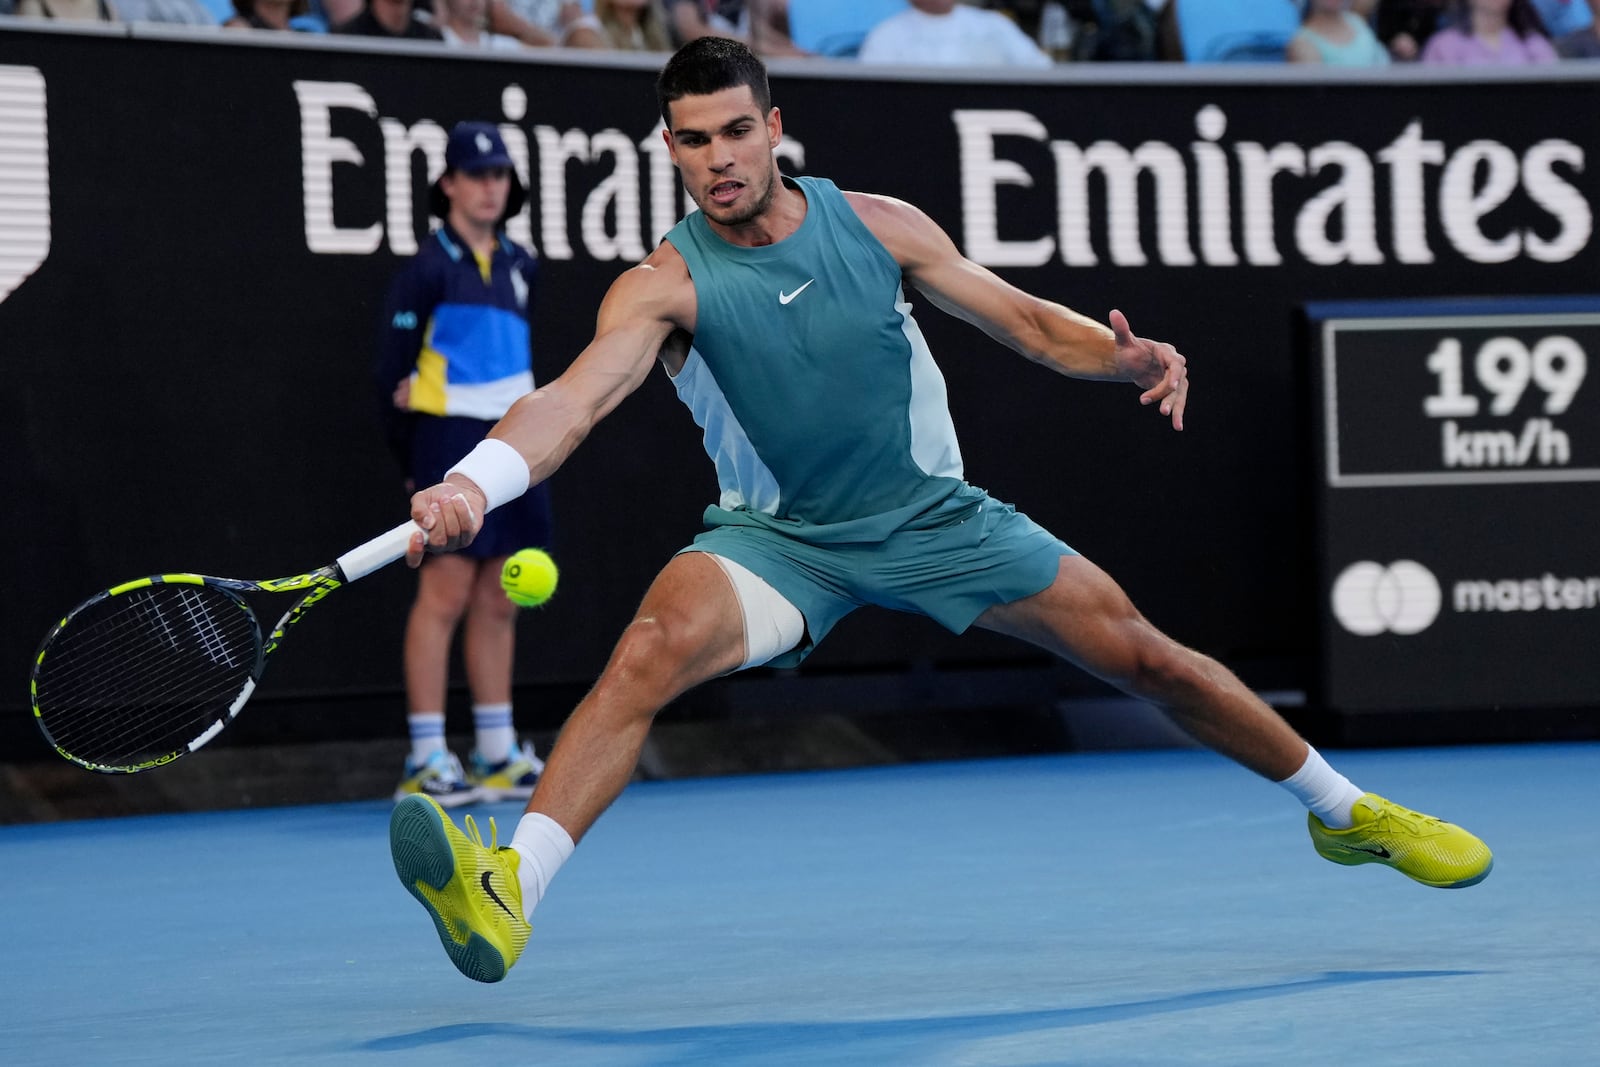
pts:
[122, 702]
[138, 657]
[140, 675]
[128, 699]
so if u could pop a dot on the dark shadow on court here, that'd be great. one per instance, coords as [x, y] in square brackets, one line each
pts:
[704, 1044]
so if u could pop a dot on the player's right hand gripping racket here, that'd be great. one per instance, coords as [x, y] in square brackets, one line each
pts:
[154, 668]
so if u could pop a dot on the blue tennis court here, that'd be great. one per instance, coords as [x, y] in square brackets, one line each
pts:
[1109, 908]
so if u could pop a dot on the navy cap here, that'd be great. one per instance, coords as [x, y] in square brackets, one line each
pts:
[473, 147]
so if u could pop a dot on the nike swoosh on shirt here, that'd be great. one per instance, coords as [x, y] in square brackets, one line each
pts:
[784, 298]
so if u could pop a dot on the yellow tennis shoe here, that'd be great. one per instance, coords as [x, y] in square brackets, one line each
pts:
[471, 890]
[1421, 847]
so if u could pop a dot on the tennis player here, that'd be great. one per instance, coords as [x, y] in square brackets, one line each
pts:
[841, 486]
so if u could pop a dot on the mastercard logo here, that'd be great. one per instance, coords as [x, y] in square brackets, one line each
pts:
[1401, 598]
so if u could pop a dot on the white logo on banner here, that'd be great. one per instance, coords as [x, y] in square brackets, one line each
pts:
[1370, 599]
[1341, 203]
[24, 176]
[630, 192]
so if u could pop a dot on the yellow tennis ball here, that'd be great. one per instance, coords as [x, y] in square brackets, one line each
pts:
[529, 577]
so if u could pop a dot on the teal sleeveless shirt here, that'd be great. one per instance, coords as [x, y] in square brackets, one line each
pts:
[823, 410]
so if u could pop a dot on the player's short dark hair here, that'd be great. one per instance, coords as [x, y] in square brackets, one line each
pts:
[708, 65]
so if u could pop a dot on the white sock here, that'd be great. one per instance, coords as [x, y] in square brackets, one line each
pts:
[1327, 793]
[496, 736]
[427, 734]
[544, 846]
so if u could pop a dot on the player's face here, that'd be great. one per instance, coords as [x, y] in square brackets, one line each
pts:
[722, 145]
[478, 197]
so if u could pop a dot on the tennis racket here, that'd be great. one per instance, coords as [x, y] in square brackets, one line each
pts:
[152, 669]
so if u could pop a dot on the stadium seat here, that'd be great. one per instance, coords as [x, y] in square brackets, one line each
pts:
[1236, 31]
[837, 27]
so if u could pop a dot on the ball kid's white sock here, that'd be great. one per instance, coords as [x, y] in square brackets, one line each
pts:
[427, 734]
[544, 846]
[495, 734]
[1327, 793]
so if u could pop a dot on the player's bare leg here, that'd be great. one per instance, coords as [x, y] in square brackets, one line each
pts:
[1085, 618]
[688, 629]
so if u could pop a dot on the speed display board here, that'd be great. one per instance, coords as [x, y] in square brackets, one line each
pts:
[1458, 448]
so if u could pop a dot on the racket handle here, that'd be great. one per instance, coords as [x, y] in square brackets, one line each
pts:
[378, 552]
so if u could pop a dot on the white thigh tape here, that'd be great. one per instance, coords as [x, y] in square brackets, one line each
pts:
[772, 625]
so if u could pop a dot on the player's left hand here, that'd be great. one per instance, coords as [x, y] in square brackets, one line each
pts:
[1157, 366]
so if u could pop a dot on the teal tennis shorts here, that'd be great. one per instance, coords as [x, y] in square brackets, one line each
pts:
[968, 554]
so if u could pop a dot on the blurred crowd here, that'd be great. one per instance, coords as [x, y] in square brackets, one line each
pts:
[1026, 33]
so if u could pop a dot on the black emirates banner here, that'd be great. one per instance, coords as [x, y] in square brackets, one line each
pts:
[195, 234]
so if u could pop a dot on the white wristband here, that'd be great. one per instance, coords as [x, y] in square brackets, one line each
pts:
[497, 468]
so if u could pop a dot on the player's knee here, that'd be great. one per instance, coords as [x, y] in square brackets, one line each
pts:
[656, 655]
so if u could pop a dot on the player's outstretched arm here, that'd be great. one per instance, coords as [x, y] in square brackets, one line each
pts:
[1043, 331]
[546, 425]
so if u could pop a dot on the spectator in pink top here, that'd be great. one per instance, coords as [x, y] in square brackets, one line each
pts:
[1502, 32]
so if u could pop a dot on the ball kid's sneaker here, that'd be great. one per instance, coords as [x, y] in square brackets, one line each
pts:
[513, 777]
[439, 776]
[1421, 847]
[471, 890]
